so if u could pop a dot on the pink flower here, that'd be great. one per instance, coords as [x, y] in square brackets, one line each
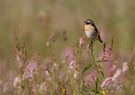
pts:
[6, 87]
[68, 54]
[81, 41]
[91, 77]
[47, 63]
[47, 75]
[113, 78]
[42, 87]
[106, 54]
[116, 75]
[106, 82]
[109, 69]
[30, 69]
[16, 81]
[125, 67]
[18, 59]
[72, 65]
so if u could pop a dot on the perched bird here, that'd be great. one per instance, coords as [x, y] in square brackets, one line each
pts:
[91, 31]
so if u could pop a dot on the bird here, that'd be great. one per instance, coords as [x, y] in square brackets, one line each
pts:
[91, 31]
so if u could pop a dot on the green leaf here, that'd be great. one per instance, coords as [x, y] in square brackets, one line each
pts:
[103, 61]
[90, 66]
[102, 74]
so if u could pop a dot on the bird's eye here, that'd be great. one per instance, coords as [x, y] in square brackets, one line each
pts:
[87, 22]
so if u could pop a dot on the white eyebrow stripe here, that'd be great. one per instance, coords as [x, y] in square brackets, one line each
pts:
[88, 21]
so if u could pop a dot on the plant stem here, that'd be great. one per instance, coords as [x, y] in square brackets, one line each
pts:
[97, 80]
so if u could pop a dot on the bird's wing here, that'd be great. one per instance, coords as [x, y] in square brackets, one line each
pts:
[96, 29]
[98, 36]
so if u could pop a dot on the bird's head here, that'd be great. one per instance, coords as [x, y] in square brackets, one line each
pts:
[89, 22]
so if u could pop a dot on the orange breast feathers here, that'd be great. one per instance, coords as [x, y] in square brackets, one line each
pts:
[88, 28]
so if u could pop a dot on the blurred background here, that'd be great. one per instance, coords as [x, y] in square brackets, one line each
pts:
[58, 24]
[35, 21]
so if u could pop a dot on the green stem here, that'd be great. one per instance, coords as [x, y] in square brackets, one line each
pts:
[96, 89]
[97, 80]
[93, 57]
[91, 51]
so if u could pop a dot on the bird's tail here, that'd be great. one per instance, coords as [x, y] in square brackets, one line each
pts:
[99, 38]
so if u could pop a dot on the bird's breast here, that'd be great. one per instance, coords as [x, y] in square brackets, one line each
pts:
[88, 28]
[90, 31]
[89, 34]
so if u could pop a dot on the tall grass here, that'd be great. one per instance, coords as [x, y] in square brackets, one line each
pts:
[83, 74]
[42, 51]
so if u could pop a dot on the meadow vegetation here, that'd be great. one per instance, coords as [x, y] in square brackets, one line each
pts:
[43, 50]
